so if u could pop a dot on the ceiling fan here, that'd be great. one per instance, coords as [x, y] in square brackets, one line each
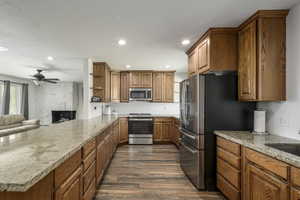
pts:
[39, 77]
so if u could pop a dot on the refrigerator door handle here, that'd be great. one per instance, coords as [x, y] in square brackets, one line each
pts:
[187, 135]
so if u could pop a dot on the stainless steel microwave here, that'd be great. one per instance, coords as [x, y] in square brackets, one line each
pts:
[140, 94]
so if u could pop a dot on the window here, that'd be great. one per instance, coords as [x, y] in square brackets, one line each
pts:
[15, 99]
[1, 95]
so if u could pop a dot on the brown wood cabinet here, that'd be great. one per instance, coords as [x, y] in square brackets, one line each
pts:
[101, 81]
[71, 188]
[175, 134]
[295, 194]
[193, 62]
[262, 41]
[162, 129]
[261, 186]
[147, 79]
[115, 86]
[163, 87]
[215, 51]
[229, 168]
[124, 87]
[123, 124]
[157, 90]
[140, 79]
[43, 190]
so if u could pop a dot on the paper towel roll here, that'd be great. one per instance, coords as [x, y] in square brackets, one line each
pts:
[260, 121]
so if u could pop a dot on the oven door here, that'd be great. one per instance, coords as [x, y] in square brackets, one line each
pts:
[192, 164]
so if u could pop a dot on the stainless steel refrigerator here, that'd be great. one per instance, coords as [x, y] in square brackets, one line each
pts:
[207, 103]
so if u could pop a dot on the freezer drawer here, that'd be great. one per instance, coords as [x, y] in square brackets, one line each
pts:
[196, 140]
[192, 164]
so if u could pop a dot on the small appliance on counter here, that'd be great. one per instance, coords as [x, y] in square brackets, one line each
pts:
[208, 103]
[259, 122]
[140, 128]
[95, 99]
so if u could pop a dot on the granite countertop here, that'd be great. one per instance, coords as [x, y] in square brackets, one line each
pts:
[27, 157]
[177, 116]
[257, 143]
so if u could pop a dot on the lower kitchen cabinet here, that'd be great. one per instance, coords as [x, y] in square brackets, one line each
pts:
[71, 189]
[259, 185]
[166, 130]
[123, 124]
[229, 168]
[162, 129]
[243, 173]
[295, 194]
[43, 190]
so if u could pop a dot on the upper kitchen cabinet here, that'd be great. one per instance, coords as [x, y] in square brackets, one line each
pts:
[101, 81]
[140, 79]
[215, 51]
[261, 72]
[163, 87]
[147, 79]
[115, 86]
[124, 86]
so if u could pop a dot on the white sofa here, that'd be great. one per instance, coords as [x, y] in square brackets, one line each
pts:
[10, 124]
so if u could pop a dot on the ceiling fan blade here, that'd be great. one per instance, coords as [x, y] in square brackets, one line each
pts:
[49, 81]
[52, 79]
[36, 82]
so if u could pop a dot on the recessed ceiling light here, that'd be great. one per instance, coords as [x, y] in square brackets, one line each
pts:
[122, 42]
[168, 66]
[185, 42]
[50, 58]
[3, 49]
[128, 66]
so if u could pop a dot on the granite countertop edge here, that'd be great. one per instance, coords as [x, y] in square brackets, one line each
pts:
[23, 187]
[288, 158]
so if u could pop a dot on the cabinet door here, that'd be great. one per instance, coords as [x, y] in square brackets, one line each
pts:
[166, 131]
[115, 86]
[107, 84]
[203, 55]
[124, 93]
[123, 130]
[135, 79]
[157, 92]
[193, 62]
[259, 185]
[100, 160]
[247, 63]
[157, 133]
[147, 79]
[168, 87]
[295, 194]
[71, 189]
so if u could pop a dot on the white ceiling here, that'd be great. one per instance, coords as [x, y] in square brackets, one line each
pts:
[73, 30]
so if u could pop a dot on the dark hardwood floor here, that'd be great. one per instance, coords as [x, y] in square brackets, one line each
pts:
[150, 172]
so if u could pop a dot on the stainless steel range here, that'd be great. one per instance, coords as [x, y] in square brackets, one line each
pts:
[140, 128]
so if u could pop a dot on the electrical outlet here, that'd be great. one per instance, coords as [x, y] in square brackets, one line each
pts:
[284, 122]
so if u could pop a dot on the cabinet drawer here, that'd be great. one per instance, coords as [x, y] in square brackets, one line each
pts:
[89, 176]
[162, 119]
[71, 187]
[89, 195]
[229, 157]
[229, 146]
[227, 189]
[231, 174]
[277, 167]
[62, 172]
[89, 160]
[88, 148]
[295, 176]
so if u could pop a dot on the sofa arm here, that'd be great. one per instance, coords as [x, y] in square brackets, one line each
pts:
[31, 122]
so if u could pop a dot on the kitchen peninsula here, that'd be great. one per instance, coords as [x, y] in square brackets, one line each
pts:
[72, 156]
